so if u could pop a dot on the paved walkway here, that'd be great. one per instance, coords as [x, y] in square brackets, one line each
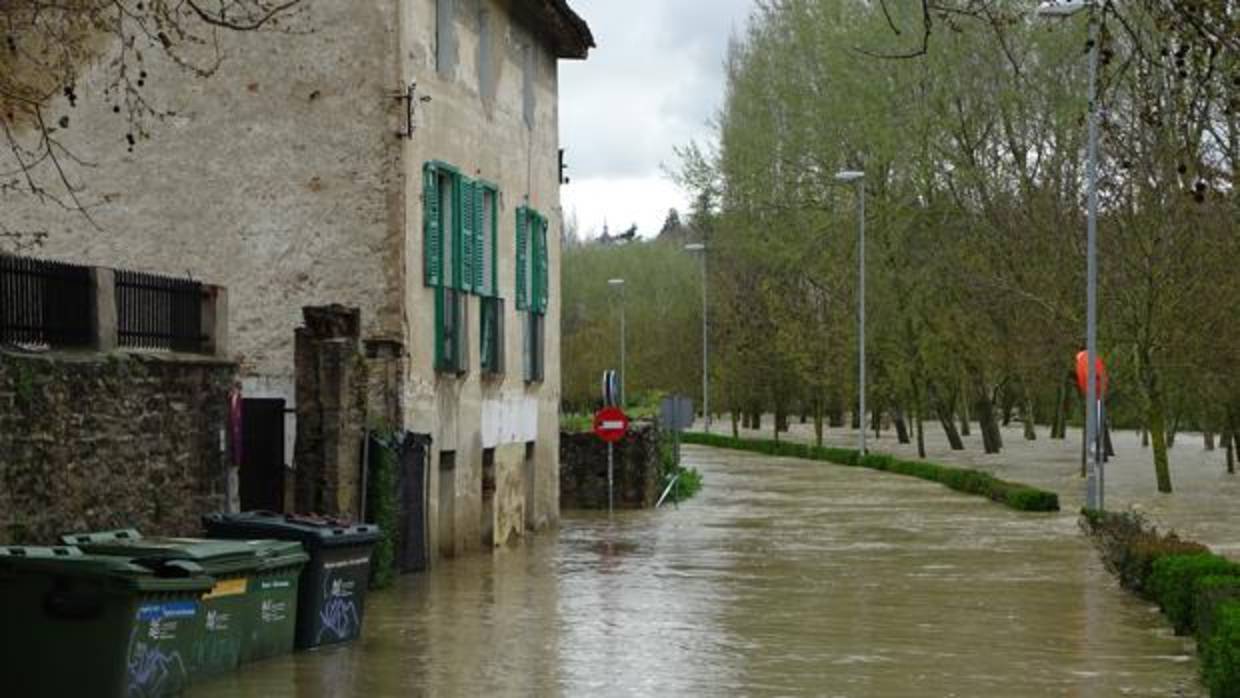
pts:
[1202, 507]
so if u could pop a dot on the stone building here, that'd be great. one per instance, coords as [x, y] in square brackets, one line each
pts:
[401, 158]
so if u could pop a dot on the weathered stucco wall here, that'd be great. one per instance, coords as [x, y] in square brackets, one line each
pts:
[484, 132]
[96, 442]
[583, 474]
[278, 177]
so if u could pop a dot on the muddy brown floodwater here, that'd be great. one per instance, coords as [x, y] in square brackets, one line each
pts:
[782, 577]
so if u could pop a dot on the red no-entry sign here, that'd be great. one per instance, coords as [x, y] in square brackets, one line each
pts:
[610, 424]
[1101, 381]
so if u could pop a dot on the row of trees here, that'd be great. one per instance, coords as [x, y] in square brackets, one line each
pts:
[972, 137]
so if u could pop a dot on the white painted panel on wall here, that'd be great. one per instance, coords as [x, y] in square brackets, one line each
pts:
[508, 420]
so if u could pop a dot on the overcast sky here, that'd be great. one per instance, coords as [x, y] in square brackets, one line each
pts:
[654, 82]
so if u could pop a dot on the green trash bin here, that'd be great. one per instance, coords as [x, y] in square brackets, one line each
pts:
[248, 614]
[332, 595]
[84, 625]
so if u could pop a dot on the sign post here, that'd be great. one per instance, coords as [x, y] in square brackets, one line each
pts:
[610, 425]
[1095, 482]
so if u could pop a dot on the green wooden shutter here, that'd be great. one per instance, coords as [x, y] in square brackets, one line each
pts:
[544, 268]
[494, 233]
[466, 236]
[481, 235]
[432, 237]
[535, 225]
[523, 259]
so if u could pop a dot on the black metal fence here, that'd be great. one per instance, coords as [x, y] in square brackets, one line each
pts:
[159, 312]
[45, 303]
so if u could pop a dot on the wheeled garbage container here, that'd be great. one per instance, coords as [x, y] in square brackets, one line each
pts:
[109, 627]
[250, 611]
[332, 592]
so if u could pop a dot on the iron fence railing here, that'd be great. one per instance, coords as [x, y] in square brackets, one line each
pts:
[159, 312]
[44, 303]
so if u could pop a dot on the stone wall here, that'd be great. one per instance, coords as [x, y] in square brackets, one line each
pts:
[93, 441]
[583, 470]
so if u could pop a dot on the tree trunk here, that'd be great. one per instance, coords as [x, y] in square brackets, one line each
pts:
[1108, 448]
[1173, 431]
[856, 415]
[876, 421]
[835, 413]
[736, 427]
[965, 417]
[944, 413]
[1232, 446]
[1145, 436]
[818, 422]
[988, 423]
[1031, 430]
[901, 426]
[1209, 439]
[804, 415]
[1058, 419]
[1158, 433]
[921, 434]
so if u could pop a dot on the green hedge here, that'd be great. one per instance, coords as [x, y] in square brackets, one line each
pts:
[1173, 583]
[1198, 590]
[1015, 495]
[1220, 653]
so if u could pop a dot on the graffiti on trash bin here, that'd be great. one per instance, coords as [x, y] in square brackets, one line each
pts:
[339, 617]
[152, 671]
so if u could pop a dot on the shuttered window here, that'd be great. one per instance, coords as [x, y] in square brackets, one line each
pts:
[523, 258]
[432, 227]
[466, 237]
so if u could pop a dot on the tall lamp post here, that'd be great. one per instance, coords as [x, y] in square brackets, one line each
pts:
[618, 284]
[857, 177]
[1094, 481]
[701, 247]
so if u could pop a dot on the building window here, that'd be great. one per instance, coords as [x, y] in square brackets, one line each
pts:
[491, 336]
[460, 235]
[451, 331]
[533, 288]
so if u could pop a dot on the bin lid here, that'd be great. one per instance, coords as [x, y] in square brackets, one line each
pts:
[313, 531]
[140, 574]
[215, 556]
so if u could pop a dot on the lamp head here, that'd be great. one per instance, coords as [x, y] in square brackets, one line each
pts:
[849, 176]
[1063, 8]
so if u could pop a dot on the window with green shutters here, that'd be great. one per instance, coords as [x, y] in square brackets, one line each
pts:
[532, 288]
[533, 267]
[523, 258]
[466, 237]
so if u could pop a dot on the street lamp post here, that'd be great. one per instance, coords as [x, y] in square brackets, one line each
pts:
[618, 284]
[701, 247]
[858, 178]
[1094, 482]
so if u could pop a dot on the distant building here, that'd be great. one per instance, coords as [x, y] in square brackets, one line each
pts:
[402, 159]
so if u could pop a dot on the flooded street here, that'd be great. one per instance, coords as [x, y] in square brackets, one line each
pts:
[782, 577]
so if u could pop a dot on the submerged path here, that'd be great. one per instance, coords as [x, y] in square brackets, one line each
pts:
[783, 577]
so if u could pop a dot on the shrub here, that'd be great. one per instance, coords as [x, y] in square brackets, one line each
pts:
[1220, 655]
[1129, 546]
[1210, 594]
[1015, 495]
[1173, 579]
[382, 509]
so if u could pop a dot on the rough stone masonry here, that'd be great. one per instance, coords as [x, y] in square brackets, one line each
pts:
[90, 442]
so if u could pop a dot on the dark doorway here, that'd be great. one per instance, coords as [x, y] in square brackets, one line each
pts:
[414, 480]
[262, 455]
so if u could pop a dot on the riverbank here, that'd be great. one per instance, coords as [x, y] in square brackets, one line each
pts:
[1201, 508]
